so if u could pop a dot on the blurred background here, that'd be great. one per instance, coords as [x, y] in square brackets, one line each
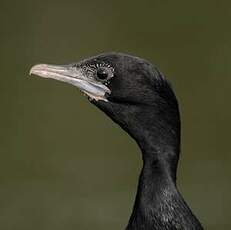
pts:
[64, 164]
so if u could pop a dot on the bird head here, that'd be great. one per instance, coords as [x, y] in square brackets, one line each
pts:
[128, 89]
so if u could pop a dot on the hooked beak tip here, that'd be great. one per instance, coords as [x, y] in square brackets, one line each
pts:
[37, 68]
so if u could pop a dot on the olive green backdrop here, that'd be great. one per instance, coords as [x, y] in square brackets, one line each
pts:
[64, 164]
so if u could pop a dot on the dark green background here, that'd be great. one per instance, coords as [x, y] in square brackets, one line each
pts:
[64, 164]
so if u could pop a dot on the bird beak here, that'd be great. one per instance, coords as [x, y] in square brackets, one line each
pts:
[74, 76]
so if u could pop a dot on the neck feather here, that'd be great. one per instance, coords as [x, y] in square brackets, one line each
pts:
[158, 204]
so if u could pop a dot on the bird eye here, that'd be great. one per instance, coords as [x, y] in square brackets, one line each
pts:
[102, 74]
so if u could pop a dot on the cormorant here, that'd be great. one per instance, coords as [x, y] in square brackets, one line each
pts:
[137, 96]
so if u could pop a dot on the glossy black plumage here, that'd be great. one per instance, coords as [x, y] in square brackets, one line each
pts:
[139, 98]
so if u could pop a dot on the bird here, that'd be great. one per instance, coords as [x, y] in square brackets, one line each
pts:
[140, 99]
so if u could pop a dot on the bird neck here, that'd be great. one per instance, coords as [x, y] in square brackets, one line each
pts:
[160, 147]
[153, 189]
[158, 204]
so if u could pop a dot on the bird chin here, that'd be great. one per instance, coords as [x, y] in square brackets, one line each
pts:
[92, 97]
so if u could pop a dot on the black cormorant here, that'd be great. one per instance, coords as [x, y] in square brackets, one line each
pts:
[136, 95]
